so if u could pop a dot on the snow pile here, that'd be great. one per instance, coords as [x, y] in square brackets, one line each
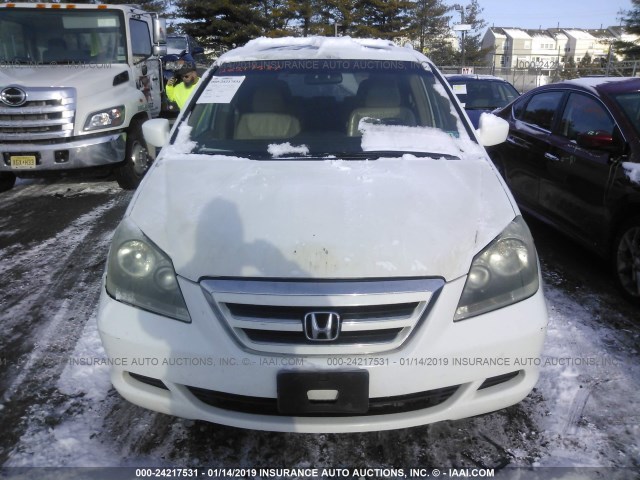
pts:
[183, 143]
[280, 149]
[633, 171]
[319, 47]
[416, 139]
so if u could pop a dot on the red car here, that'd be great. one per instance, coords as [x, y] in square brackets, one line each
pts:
[572, 159]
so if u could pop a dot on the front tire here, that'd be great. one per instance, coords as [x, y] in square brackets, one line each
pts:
[137, 160]
[626, 259]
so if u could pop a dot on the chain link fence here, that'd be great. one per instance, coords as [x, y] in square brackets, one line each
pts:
[524, 79]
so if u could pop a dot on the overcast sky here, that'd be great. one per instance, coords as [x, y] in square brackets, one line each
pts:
[548, 13]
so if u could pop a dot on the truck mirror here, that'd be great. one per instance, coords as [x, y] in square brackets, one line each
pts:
[159, 30]
[156, 131]
[159, 50]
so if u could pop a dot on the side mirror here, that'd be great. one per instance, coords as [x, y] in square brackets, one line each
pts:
[491, 130]
[597, 140]
[197, 50]
[159, 30]
[159, 50]
[156, 131]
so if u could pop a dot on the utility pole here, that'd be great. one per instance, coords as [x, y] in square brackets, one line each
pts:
[462, 27]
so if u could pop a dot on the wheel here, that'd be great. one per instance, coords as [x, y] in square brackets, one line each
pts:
[7, 181]
[137, 160]
[626, 259]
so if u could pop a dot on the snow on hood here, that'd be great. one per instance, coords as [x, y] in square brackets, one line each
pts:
[88, 79]
[395, 217]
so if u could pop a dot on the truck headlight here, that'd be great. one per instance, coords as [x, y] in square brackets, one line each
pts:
[111, 117]
[505, 272]
[142, 275]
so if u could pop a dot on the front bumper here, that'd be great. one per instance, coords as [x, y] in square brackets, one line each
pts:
[94, 151]
[198, 371]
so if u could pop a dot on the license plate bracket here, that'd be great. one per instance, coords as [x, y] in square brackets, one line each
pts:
[352, 389]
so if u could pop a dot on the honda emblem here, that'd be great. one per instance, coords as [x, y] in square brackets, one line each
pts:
[322, 326]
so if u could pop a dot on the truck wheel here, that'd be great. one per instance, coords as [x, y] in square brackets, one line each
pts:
[137, 160]
[626, 259]
[7, 181]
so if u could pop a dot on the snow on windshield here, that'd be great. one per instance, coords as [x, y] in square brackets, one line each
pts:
[279, 150]
[415, 139]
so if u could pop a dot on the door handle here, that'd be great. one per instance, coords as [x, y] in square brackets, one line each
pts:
[551, 157]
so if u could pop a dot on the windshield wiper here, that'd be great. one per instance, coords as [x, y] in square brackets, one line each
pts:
[376, 154]
[368, 155]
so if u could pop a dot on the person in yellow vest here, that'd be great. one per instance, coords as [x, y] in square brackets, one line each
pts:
[179, 92]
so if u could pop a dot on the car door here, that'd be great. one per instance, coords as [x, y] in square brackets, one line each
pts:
[573, 189]
[523, 154]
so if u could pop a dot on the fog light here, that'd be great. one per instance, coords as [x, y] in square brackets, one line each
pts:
[61, 156]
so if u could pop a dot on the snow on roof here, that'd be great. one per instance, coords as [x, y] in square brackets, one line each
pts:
[539, 34]
[516, 33]
[497, 32]
[579, 34]
[320, 48]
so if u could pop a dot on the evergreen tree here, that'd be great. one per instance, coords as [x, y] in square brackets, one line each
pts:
[631, 50]
[429, 25]
[304, 17]
[382, 19]
[222, 24]
[570, 70]
[274, 15]
[342, 12]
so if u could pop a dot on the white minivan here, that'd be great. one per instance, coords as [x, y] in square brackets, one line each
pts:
[323, 245]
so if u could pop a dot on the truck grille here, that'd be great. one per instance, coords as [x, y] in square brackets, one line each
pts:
[269, 316]
[48, 113]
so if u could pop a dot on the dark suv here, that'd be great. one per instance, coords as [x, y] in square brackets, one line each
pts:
[572, 160]
[185, 44]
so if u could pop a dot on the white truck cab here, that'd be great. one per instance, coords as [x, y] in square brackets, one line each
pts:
[76, 84]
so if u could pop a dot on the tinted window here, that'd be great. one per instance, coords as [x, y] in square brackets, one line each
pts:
[541, 109]
[584, 114]
[630, 105]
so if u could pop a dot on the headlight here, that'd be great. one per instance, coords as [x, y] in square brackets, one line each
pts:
[142, 275]
[505, 272]
[111, 117]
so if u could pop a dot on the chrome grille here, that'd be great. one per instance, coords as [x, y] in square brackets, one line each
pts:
[267, 316]
[48, 113]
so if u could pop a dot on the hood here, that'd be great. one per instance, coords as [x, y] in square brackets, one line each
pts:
[320, 219]
[87, 79]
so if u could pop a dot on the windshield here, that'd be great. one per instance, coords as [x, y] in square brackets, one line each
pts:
[176, 45]
[61, 37]
[323, 107]
[483, 94]
[629, 103]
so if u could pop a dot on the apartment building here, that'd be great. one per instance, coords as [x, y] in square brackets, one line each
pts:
[549, 48]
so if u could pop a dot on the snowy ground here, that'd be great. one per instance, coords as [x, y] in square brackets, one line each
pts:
[57, 407]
